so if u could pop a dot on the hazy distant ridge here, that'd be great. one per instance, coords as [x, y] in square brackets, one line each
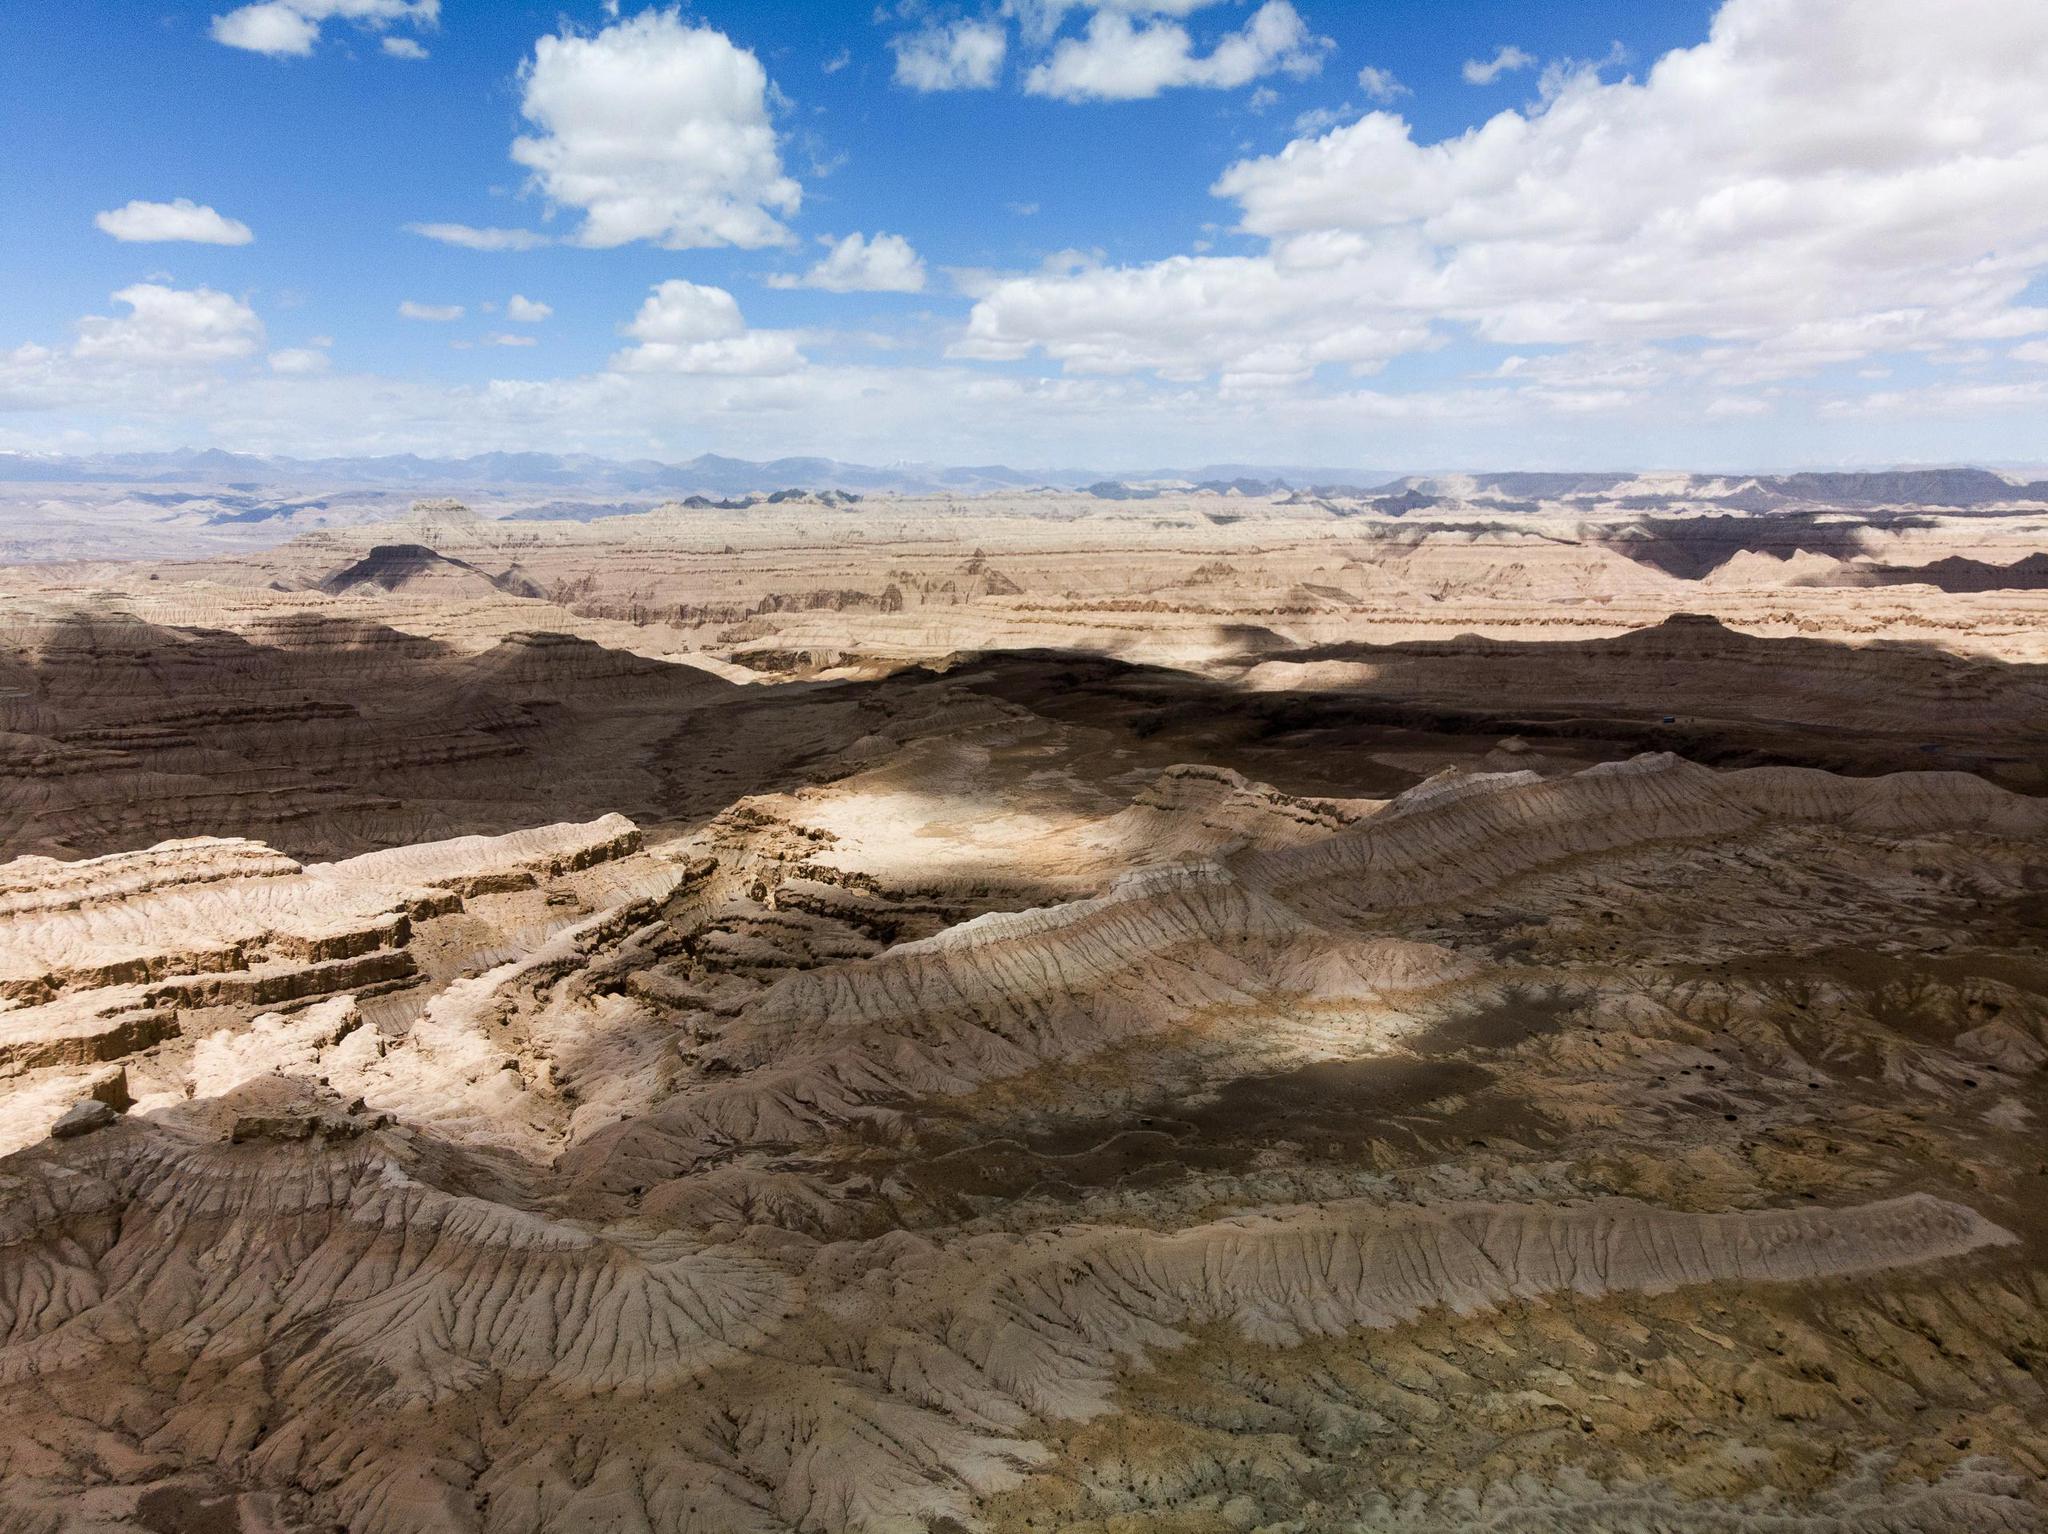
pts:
[709, 473]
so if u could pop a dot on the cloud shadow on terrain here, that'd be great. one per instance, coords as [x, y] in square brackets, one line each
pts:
[1689, 685]
[326, 737]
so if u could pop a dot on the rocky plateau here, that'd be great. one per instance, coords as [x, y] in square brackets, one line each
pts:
[1509, 1004]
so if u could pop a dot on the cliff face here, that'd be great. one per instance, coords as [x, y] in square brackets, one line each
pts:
[470, 1065]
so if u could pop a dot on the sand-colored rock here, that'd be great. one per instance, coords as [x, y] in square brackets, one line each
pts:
[1521, 1008]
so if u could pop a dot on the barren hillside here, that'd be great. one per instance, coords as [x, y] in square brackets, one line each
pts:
[1194, 1013]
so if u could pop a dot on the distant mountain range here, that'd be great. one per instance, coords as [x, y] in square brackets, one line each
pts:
[708, 474]
[222, 477]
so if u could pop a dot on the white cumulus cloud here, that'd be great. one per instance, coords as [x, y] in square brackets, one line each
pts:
[1380, 85]
[1121, 59]
[656, 131]
[684, 327]
[166, 325]
[439, 314]
[1186, 317]
[857, 264]
[470, 238]
[1506, 60]
[298, 361]
[290, 28]
[1039, 20]
[521, 310]
[951, 56]
[1813, 184]
[182, 219]
[276, 29]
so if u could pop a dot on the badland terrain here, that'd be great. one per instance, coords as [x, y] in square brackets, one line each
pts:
[1514, 1002]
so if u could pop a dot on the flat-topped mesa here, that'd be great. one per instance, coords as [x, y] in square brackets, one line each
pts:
[205, 921]
[84, 1028]
[444, 510]
[33, 886]
[223, 925]
[413, 569]
[482, 864]
[552, 663]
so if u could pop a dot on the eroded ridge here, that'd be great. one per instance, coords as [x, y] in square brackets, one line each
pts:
[993, 1126]
[320, 1314]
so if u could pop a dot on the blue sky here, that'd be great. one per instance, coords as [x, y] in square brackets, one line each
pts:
[1117, 232]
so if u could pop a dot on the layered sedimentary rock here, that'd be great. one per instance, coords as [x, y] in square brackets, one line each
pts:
[114, 957]
[806, 1255]
[693, 1051]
